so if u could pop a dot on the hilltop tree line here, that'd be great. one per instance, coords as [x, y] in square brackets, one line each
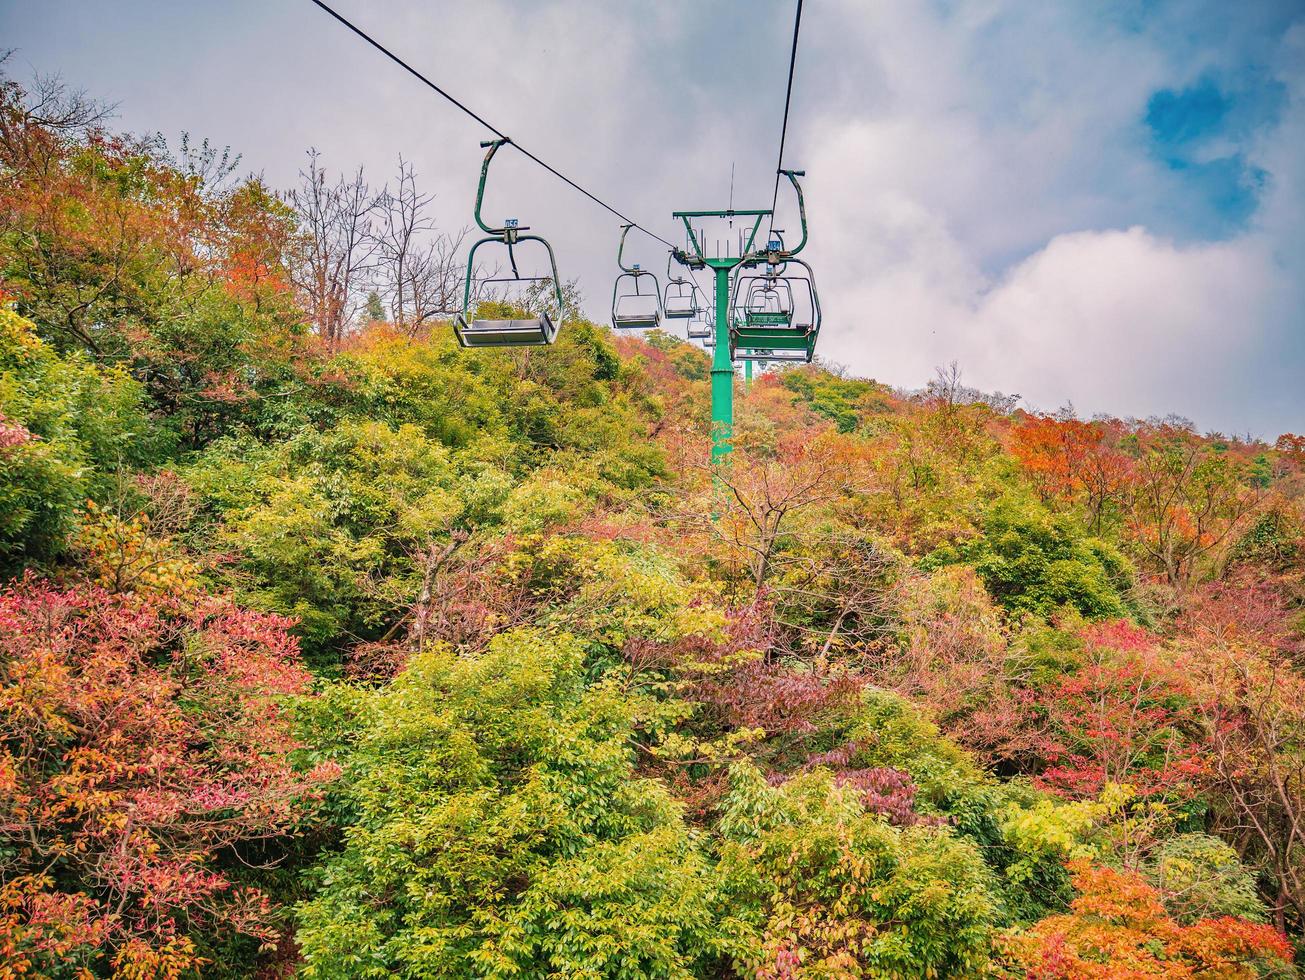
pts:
[328, 648]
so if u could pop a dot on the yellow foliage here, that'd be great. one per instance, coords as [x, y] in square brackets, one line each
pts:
[122, 555]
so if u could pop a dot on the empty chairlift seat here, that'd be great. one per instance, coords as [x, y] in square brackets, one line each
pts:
[636, 301]
[775, 316]
[701, 325]
[636, 295]
[509, 311]
[680, 301]
[520, 311]
[678, 306]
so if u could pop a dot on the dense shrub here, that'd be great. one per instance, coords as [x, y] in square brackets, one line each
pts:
[145, 765]
[67, 427]
[1034, 561]
[837, 891]
[501, 831]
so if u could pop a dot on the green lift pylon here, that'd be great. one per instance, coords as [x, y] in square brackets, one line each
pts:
[722, 365]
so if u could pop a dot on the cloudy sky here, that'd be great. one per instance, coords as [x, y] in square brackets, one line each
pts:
[1100, 202]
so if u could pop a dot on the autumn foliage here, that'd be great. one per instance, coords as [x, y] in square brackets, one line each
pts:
[1118, 929]
[146, 754]
[330, 648]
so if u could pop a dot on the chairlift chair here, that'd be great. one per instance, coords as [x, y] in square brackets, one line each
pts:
[778, 318]
[639, 305]
[531, 328]
[701, 324]
[680, 301]
[637, 309]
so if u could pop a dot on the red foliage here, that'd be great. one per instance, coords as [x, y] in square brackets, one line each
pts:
[144, 743]
[1293, 447]
[758, 693]
[956, 664]
[1241, 612]
[782, 700]
[13, 433]
[1120, 718]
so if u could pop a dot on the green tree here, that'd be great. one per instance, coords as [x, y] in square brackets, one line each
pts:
[67, 427]
[501, 831]
[1032, 560]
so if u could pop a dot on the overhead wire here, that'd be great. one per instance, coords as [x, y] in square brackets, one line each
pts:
[788, 99]
[487, 124]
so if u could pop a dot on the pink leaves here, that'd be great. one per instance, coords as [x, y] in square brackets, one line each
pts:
[145, 738]
[13, 434]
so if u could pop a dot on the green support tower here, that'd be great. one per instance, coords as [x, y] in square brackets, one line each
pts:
[722, 365]
[774, 256]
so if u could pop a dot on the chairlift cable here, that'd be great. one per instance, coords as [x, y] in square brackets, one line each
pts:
[484, 122]
[788, 98]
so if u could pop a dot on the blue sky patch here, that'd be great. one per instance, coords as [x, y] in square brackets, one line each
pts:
[1202, 135]
[1178, 119]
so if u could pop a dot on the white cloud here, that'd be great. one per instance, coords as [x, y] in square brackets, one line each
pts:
[979, 183]
[985, 206]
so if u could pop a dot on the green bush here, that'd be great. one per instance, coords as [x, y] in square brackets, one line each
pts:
[842, 892]
[329, 527]
[1200, 877]
[501, 832]
[67, 428]
[1034, 561]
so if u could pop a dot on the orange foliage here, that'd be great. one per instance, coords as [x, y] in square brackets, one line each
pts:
[1071, 459]
[1117, 929]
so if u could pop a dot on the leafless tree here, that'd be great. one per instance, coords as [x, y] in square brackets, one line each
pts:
[338, 249]
[1252, 713]
[34, 120]
[418, 274]
[1187, 501]
[759, 502]
[948, 391]
[846, 579]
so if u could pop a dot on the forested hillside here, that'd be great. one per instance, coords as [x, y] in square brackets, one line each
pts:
[328, 648]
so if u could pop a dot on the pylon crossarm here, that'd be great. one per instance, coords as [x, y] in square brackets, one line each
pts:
[698, 258]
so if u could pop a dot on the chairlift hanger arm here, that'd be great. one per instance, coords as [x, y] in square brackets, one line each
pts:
[636, 270]
[620, 251]
[509, 232]
[776, 255]
[793, 176]
[673, 256]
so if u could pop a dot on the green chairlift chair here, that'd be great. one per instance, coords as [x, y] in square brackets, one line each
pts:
[520, 328]
[636, 296]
